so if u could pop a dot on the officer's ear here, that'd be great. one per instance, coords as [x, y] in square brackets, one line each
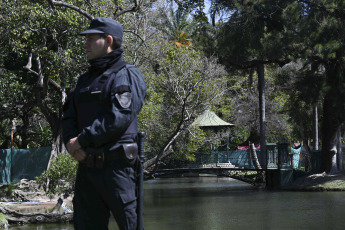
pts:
[110, 40]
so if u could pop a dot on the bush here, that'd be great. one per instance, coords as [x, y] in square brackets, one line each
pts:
[3, 221]
[7, 190]
[60, 176]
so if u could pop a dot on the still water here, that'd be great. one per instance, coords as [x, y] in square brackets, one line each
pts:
[213, 203]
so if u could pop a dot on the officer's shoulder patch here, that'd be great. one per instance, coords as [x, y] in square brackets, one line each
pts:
[124, 99]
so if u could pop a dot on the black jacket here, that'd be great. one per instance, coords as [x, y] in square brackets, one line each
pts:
[102, 110]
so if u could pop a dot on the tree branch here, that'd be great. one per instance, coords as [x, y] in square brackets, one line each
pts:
[135, 8]
[40, 75]
[130, 31]
[67, 5]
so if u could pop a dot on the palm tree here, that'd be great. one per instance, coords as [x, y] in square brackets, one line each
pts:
[177, 27]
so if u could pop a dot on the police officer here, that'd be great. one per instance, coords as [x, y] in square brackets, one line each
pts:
[99, 121]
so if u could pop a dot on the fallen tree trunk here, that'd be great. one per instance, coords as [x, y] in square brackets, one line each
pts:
[254, 156]
[14, 217]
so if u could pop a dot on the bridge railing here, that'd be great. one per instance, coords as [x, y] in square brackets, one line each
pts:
[227, 159]
[231, 158]
[277, 156]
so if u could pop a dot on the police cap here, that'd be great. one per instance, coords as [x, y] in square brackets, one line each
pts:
[100, 25]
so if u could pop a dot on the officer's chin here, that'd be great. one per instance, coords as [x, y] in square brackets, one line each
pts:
[89, 57]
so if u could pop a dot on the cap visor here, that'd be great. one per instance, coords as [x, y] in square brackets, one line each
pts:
[92, 31]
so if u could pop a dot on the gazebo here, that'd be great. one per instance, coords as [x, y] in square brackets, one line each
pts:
[208, 120]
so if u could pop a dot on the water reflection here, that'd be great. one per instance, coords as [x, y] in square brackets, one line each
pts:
[211, 203]
[235, 206]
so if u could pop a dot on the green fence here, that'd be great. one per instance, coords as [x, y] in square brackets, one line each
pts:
[26, 164]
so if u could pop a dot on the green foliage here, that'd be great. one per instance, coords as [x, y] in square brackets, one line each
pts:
[60, 176]
[3, 221]
[252, 33]
[49, 36]
[179, 27]
[189, 143]
[184, 84]
[44, 138]
[238, 135]
[7, 190]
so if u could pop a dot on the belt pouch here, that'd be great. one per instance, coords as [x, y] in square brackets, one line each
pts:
[130, 152]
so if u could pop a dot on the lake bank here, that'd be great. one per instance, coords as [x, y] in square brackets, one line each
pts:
[318, 182]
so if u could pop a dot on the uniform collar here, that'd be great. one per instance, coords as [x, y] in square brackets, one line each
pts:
[101, 64]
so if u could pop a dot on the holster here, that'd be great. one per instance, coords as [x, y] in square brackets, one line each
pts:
[130, 153]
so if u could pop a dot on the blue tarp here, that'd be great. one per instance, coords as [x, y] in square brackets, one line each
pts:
[5, 166]
[27, 163]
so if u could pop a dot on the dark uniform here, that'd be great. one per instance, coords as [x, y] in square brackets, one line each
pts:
[102, 113]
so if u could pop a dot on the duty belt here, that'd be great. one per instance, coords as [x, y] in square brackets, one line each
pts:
[95, 158]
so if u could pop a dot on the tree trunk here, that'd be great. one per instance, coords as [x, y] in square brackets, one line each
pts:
[340, 162]
[252, 151]
[261, 85]
[166, 151]
[307, 163]
[332, 117]
[329, 141]
[254, 156]
[315, 128]
[14, 217]
[57, 147]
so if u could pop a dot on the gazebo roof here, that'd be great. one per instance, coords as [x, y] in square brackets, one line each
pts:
[210, 119]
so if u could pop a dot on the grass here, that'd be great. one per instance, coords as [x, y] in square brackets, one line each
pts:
[319, 182]
[332, 185]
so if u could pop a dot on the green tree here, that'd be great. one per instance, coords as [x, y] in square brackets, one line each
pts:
[60, 176]
[177, 26]
[320, 42]
[249, 40]
[302, 87]
[35, 57]
[161, 63]
[41, 57]
[46, 56]
[280, 31]
[182, 86]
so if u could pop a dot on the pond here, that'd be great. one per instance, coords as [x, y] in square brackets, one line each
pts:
[218, 203]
